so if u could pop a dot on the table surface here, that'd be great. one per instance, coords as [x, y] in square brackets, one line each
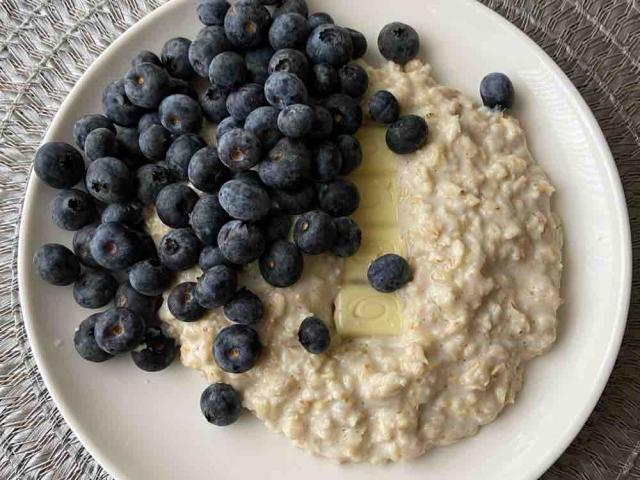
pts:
[46, 45]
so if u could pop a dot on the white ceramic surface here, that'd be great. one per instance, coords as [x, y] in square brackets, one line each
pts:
[148, 426]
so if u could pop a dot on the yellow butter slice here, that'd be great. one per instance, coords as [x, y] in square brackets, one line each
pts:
[360, 310]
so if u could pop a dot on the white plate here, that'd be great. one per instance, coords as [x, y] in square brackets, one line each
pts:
[144, 426]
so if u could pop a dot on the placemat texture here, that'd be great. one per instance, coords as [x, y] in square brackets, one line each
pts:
[46, 45]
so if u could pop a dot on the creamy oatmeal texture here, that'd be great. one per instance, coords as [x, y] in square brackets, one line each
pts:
[485, 247]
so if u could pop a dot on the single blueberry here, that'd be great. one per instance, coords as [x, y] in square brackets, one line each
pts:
[154, 142]
[209, 42]
[289, 30]
[179, 249]
[56, 264]
[206, 171]
[156, 351]
[145, 56]
[263, 122]
[282, 263]
[496, 91]
[211, 256]
[236, 348]
[351, 152]
[213, 102]
[346, 112]
[130, 213]
[180, 114]
[220, 404]
[180, 153]
[290, 61]
[148, 119]
[354, 80]
[225, 126]
[348, 237]
[115, 246]
[182, 303]
[84, 340]
[227, 70]
[119, 330]
[175, 57]
[295, 201]
[82, 245]
[240, 242]
[245, 307]
[322, 124]
[212, 12]
[388, 273]
[94, 289]
[174, 204]
[327, 162]
[319, 18]
[314, 335]
[359, 42]
[407, 134]
[207, 219]
[329, 44]
[246, 24]
[150, 179]
[101, 142]
[287, 164]
[146, 85]
[284, 88]
[384, 107]
[117, 106]
[276, 225]
[239, 149]
[243, 101]
[292, 6]
[339, 198]
[314, 232]
[86, 124]
[109, 180]
[324, 80]
[398, 42]
[73, 209]
[296, 121]
[216, 286]
[129, 147]
[258, 64]
[149, 277]
[58, 164]
[244, 201]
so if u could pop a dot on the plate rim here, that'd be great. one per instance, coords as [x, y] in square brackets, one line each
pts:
[571, 93]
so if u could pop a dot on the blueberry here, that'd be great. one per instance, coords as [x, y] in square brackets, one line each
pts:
[86, 124]
[94, 289]
[150, 179]
[246, 24]
[58, 164]
[56, 264]
[119, 330]
[351, 153]
[144, 306]
[319, 18]
[244, 201]
[212, 12]
[117, 106]
[145, 56]
[314, 335]
[281, 265]
[207, 219]
[220, 404]
[239, 149]
[85, 342]
[174, 204]
[183, 87]
[148, 119]
[130, 213]
[398, 42]
[314, 232]
[211, 256]
[149, 277]
[225, 126]
[296, 121]
[289, 30]
[82, 245]
[227, 70]
[327, 162]
[156, 351]
[354, 80]
[407, 134]
[146, 85]
[243, 101]
[295, 201]
[346, 112]
[129, 147]
[291, 61]
[216, 286]
[322, 124]
[258, 64]
[206, 171]
[115, 246]
[388, 273]
[359, 42]
[249, 176]
[292, 6]
[245, 307]
[175, 57]
[180, 114]
[348, 237]
[240, 242]
[179, 249]
[339, 198]
[384, 107]
[213, 102]
[154, 142]
[276, 225]
[209, 42]
[284, 88]
[287, 164]
[496, 91]
[180, 153]
[100, 142]
[263, 122]
[324, 79]
[329, 44]
[109, 180]
[182, 303]
[236, 348]
[72, 209]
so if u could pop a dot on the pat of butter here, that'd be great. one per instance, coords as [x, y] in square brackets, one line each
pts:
[361, 310]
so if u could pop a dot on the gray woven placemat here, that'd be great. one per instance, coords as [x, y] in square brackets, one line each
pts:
[46, 45]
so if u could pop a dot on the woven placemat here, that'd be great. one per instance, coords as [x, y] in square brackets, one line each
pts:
[46, 45]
